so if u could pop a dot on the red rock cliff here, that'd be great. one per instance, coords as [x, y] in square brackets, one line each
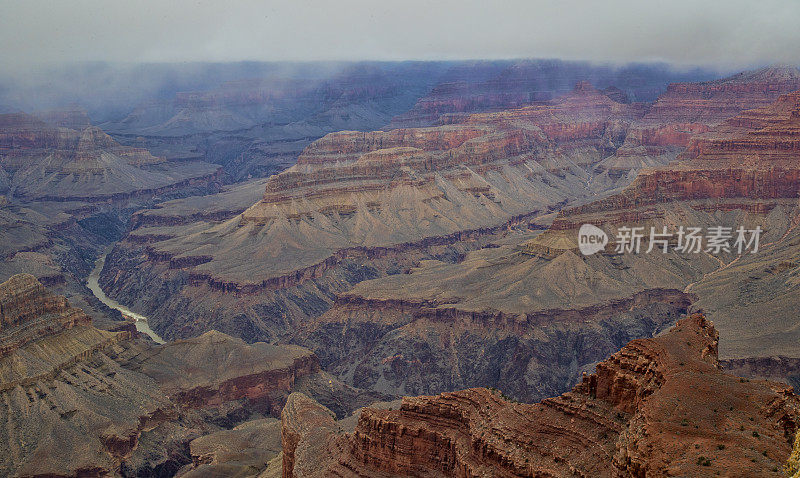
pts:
[657, 407]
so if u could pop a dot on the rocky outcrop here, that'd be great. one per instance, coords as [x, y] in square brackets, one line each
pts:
[657, 407]
[240, 451]
[28, 311]
[215, 368]
[95, 408]
[79, 401]
[300, 418]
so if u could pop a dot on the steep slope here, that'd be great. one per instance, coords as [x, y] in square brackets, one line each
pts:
[69, 192]
[88, 410]
[79, 401]
[376, 200]
[688, 109]
[417, 332]
[658, 407]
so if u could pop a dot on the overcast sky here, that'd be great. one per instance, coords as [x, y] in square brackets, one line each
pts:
[688, 32]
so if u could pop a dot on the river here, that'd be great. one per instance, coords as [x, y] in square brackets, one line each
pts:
[93, 285]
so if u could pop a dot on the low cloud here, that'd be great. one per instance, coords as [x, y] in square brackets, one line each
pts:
[729, 33]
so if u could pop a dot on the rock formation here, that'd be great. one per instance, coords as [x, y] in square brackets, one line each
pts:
[417, 332]
[28, 311]
[743, 172]
[73, 117]
[386, 196]
[257, 127]
[80, 401]
[498, 318]
[686, 110]
[52, 163]
[499, 85]
[657, 407]
[360, 205]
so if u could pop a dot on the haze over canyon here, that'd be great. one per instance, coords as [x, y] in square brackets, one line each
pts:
[379, 268]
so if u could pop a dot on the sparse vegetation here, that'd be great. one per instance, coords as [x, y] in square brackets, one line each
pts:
[703, 461]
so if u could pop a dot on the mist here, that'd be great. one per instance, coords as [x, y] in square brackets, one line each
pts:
[110, 56]
[728, 34]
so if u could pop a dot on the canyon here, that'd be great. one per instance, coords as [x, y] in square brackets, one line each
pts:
[358, 204]
[68, 189]
[316, 242]
[741, 172]
[396, 255]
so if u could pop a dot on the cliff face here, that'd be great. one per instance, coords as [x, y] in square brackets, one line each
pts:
[90, 406]
[214, 368]
[688, 110]
[658, 406]
[80, 401]
[743, 172]
[750, 156]
[713, 102]
[532, 329]
[28, 311]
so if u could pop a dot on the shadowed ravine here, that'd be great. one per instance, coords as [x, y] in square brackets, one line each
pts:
[140, 320]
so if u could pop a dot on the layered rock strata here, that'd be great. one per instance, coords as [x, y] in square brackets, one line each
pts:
[374, 202]
[475, 87]
[61, 164]
[79, 401]
[744, 172]
[657, 407]
[687, 110]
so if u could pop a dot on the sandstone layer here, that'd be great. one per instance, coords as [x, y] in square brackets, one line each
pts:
[687, 110]
[658, 407]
